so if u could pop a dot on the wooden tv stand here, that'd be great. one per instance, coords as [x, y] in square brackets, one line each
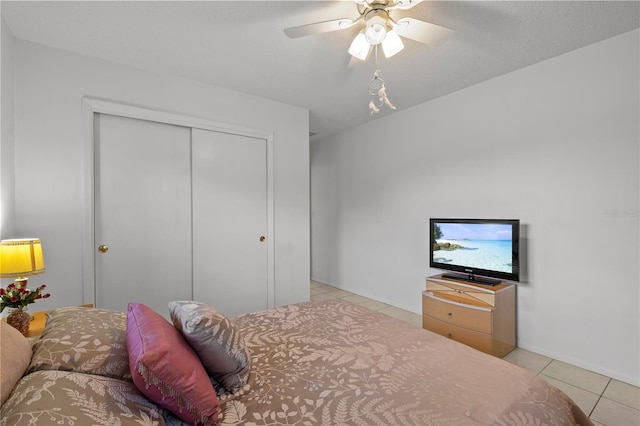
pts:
[480, 316]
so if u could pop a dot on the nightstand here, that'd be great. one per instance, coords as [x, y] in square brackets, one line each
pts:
[36, 327]
[38, 322]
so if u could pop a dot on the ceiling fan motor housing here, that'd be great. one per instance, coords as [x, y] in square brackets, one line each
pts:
[381, 4]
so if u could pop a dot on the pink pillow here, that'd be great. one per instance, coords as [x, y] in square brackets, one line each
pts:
[166, 369]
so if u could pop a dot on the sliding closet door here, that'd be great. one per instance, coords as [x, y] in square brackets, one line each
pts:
[142, 213]
[229, 175]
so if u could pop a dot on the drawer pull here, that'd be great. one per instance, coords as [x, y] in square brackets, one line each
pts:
[450, 314]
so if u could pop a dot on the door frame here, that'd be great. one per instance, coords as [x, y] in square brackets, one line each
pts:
[92, 106]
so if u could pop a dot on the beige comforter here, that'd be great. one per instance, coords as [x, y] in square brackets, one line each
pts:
[336, 363]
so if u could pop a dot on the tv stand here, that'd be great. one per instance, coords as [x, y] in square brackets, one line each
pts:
[481, 316]
[474, 279]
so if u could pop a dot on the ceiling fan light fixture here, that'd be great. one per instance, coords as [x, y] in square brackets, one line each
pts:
[392, 44]
[360, 47]
[376, 27]
[376, 33]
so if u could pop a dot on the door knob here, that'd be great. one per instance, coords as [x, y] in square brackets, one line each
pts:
[262, 238]
[103, 248]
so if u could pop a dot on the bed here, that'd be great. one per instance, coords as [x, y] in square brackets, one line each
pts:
[317, 363]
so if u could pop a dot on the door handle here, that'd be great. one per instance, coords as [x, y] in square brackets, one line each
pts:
[262, 238]
[103, 248]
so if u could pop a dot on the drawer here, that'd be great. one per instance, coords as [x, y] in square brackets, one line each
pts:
[468, 317]
[476, 340]
[467, 294]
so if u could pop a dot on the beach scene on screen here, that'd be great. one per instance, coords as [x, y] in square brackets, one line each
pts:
[477, 245]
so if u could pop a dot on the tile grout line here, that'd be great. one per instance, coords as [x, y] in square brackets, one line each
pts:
[405, 314]
[614, 400]
[599, 398]
[580, 387]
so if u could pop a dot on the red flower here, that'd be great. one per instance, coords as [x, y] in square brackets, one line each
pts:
[18, 297]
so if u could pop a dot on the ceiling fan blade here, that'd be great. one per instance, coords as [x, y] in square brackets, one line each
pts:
[406, 4]
[424, 32]
[320, 27]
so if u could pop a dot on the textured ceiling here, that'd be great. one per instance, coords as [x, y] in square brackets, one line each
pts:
[241, 45]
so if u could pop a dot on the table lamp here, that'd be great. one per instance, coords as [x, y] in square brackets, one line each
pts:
[21, 258]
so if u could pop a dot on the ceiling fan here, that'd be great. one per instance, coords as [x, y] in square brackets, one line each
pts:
[379, 28]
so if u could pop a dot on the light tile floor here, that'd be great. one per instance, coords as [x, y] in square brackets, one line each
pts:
[608, 402]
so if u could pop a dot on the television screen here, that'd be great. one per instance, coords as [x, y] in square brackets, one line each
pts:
[476, 248]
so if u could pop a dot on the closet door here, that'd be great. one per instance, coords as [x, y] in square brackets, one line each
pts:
[229, 177]
[142, 213]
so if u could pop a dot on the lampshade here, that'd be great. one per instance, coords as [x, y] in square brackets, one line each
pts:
[392, 44]
[360, 47]
[21, 258]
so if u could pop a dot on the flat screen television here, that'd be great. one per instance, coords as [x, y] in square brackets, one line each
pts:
[483, 251]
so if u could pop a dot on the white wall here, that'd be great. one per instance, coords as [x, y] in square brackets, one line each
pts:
[7, 217]
[556, 145]
[49, 154]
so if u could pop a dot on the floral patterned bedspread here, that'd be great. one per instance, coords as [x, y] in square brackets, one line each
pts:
[336, 363]
[317, 363]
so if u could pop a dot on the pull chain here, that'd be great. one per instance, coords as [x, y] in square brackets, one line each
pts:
[376, 52]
